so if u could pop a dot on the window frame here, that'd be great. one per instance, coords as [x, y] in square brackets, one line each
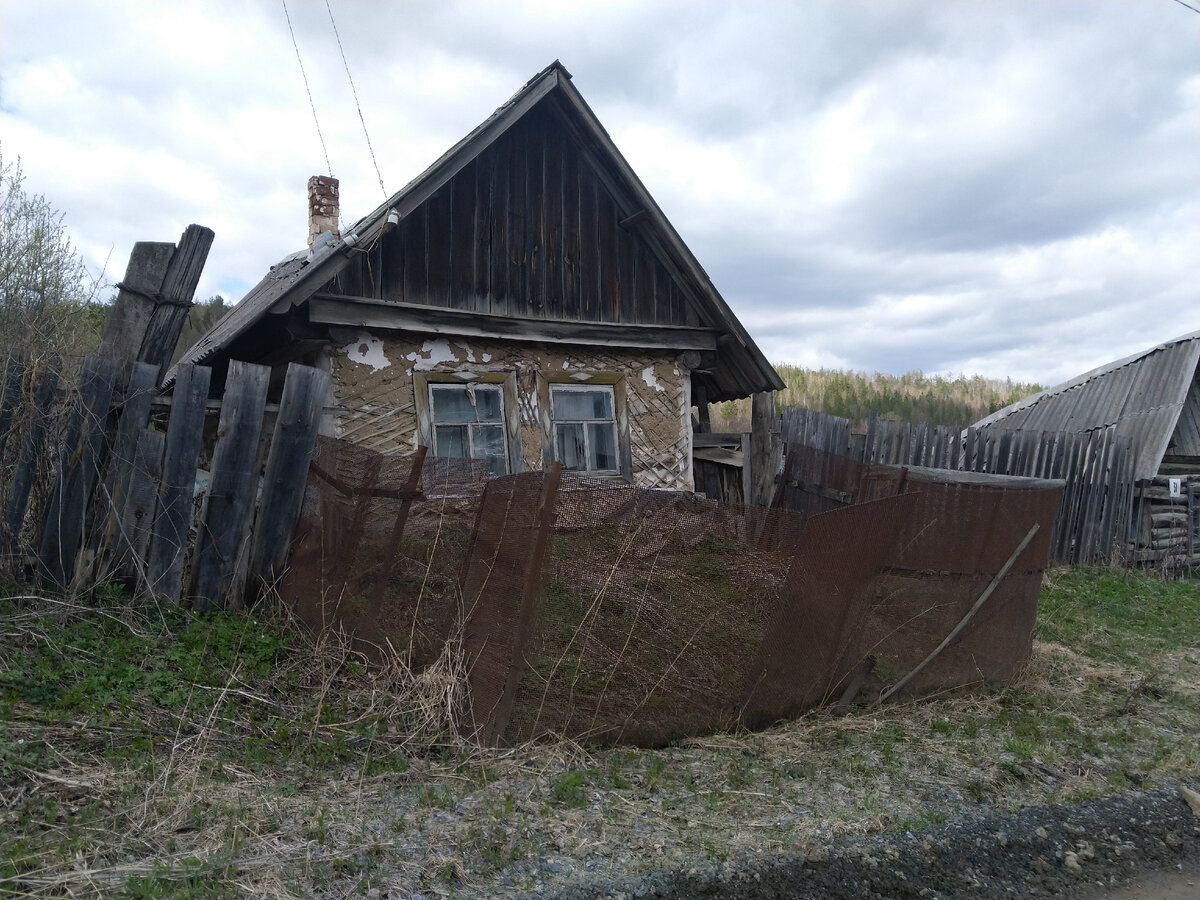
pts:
[611, 421]
[615, 382]
[424, 385]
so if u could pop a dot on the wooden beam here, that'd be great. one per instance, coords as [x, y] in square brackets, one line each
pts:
[175, 298]
[765, 450]
[366, 312]
[138, 295]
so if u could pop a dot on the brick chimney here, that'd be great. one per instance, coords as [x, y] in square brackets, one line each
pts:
[322, 206]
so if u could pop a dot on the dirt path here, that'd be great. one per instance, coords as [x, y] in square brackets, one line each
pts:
[1169, 884]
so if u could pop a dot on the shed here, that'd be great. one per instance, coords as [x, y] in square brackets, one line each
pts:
[1153, 399]
[522, 300]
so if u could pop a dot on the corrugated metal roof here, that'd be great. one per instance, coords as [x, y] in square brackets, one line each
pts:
[743, 369]
[1141, 395]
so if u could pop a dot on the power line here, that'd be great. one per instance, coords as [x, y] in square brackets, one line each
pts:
[357, 105]
[308, 90]
[1180, 2]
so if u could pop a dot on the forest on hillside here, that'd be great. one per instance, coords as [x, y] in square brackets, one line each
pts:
[911, 397]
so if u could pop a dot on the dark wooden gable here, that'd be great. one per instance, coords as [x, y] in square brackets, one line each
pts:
[528, 229]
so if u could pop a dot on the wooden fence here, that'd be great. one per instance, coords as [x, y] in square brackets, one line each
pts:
[102, 476]
[1095, 518]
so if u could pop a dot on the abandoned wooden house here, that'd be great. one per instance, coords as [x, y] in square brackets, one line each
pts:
[1153, 399]
[523, 300]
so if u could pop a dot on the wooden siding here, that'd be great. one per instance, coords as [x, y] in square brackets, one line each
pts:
[527, 229]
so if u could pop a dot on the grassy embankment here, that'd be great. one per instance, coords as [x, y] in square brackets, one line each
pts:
[152, 753]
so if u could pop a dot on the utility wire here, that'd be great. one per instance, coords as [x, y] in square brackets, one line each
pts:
[357, 105]
[307, 89]
[1180, 2]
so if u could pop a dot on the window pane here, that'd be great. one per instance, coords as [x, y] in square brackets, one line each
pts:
[450, 440]
[487, 404]
[451, 404]
[569, 404]
[489, 444]
[569, 441]
[603, 446]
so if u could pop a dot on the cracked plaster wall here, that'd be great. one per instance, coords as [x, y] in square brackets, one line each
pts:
[375, 405]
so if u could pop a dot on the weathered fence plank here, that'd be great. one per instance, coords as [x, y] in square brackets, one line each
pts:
[185, 429]
[131, 311]
[79, 466]
[766, 450]
[134, 414]
[175, 298]
[292, 442]
[139, 508]
[232, 484]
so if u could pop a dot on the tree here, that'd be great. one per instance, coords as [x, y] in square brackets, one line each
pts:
[200, 319]
[47, 303]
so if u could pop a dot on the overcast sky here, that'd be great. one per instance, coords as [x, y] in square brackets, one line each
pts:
[997, 188]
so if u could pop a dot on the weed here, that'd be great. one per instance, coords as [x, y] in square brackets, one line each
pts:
[568, 788]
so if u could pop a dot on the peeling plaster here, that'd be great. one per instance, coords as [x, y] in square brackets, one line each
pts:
[431, 354]
[651, 381]
[367, 351]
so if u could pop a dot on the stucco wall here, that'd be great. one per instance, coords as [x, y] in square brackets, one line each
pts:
[373, 393]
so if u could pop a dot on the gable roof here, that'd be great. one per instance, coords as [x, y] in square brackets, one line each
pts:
[1142, 395]
[741, 368]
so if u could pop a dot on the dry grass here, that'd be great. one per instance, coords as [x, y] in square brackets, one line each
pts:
[321, 776]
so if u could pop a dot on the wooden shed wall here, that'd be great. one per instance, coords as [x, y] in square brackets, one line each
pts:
[527, 229]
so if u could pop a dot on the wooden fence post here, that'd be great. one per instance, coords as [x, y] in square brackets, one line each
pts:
[130, 313]
[764, 449]
[175, 298]
[233, 484]
[292, 444]
[82, 455]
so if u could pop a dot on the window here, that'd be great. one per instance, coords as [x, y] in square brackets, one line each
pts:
[585, 427]
[468, 422]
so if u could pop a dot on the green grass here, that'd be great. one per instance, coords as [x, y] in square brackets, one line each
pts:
[1123, 617]
[168, 754]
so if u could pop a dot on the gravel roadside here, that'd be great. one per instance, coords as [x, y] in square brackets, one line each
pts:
[1062, 850]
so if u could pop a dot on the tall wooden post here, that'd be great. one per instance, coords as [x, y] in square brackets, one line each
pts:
[765, 450]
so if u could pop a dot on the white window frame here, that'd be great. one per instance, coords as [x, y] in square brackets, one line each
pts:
[469, 388]
[612, 421]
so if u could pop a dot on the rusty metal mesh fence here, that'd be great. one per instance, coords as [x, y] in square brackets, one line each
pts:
[612, 613]
[381, 545]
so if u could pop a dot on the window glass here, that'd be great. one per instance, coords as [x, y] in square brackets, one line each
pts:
[582, 404]
[489, 445]
[571, 449]
[585, 428]
[450, 440]
[602, 446]
[468, 421]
